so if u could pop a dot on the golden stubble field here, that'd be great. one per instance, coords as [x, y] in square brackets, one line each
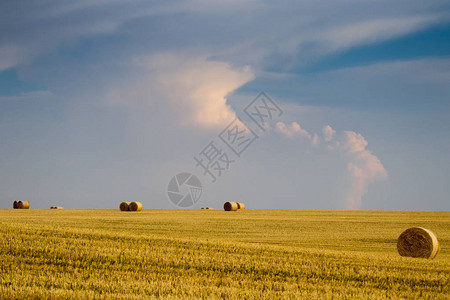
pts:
[105, 253]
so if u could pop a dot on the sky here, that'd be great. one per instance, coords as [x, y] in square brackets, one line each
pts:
[106, 101]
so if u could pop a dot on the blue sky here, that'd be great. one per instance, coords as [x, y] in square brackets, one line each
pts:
[104, 101]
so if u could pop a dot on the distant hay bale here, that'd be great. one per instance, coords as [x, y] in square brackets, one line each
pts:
[15, 206]
[230, 206]
[23, 204]
[125, 206]
[418, 242]
[240, 205]
[56, 207]
[135, 206]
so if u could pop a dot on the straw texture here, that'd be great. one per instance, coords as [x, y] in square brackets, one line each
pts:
[230, 206]
[135, 206]
[125, 206]
[23, 204]
[418, 242]
[241, 205]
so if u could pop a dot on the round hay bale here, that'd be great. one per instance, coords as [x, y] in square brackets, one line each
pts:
[418, 242]
[135, 206]
[23, 204]
[56, 207]
[15, 205]
[230, 206]
[125, 206]
[240, 205]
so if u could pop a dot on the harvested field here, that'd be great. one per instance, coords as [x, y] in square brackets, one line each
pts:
[190, 254]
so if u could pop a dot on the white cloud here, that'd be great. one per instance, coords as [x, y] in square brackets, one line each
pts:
[355, 142]
[194, 88]
[328, 133]
[371, 31]
[315, 140]
[206, 6]
[9, 56]
[292, 130]
[289, 30]
[28, 96]
[432, 70]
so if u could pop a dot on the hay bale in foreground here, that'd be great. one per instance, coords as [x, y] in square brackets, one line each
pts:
[230, 206]
[56, 207]
[418, 242]
[125, 206]
[135, 206]
[240, 205]
[23, 204]
[15, 206]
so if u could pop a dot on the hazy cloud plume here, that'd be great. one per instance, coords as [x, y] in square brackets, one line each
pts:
[364, 168]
